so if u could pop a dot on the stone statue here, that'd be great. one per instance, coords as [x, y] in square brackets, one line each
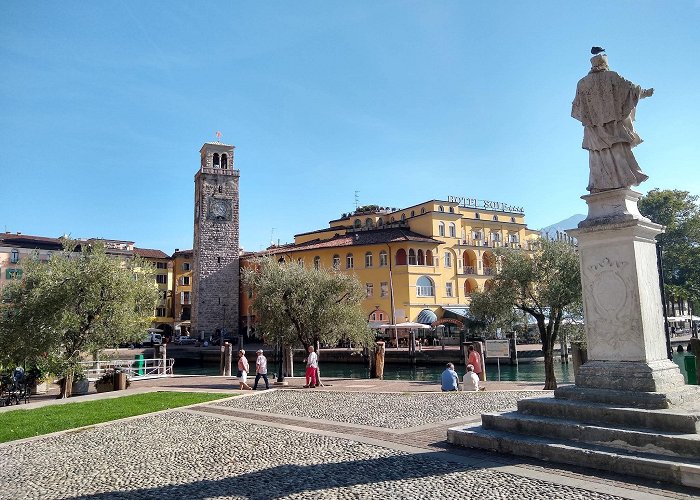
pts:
[605, 104]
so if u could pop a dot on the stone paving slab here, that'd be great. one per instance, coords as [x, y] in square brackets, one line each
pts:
[387, 410]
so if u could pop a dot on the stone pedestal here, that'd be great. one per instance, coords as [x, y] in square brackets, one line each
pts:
[622, 298]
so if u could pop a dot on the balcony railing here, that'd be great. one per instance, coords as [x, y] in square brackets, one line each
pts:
[489, 271]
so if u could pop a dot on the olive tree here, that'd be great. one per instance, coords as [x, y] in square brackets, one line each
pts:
[74, 303]
[543, 284]
[298, 305]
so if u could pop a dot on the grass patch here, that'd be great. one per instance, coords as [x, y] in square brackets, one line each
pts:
[19, 424]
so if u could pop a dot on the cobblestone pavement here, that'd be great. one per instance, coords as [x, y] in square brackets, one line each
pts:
[393, 411]
[240, 450]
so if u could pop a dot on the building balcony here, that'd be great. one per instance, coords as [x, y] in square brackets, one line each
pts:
[468, 270]
[489, 271]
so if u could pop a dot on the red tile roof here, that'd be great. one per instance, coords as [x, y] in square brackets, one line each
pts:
[359, 238]
[149, 253]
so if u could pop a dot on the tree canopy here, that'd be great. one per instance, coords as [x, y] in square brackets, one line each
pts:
[543, 284]
[678, 211]
[75, 303]
[297, 305]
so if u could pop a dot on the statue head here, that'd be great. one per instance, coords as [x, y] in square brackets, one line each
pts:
[599, 62]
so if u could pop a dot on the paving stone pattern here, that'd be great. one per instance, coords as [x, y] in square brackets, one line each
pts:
[387, 410]
[181, 455]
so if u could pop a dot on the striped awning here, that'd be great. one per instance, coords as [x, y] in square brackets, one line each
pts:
[426, 316]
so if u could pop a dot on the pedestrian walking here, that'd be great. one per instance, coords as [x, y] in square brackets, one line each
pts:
[475, 361]
[311, 368]
[260, 370]
[243, 368]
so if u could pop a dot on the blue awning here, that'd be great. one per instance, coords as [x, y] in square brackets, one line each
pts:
[457, 312]
[427, 317]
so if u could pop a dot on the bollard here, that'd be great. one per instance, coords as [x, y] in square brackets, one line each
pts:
[228, 356]
[379, 360]
[579, 355]
[222, 360]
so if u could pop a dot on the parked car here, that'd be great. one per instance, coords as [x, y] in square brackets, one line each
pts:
[185, 340]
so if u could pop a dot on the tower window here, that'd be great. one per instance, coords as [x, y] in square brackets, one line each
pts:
[221, 189]
[224, 160]
[215, 160]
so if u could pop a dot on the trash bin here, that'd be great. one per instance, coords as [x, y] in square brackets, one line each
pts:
[689, 362]
[140, 365]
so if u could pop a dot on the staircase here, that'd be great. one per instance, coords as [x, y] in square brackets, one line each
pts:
[642, 435]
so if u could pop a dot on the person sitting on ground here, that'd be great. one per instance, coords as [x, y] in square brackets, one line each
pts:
[471, 380]
[450, 379]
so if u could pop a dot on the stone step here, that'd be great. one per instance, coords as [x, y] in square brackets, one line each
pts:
[662, 468]
[598, 413]
[687, 395]
[642, 441]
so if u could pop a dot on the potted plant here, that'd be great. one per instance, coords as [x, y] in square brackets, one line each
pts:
[81, 385]
[106, 382]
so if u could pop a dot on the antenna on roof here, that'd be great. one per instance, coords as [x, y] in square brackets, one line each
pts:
[272, 236]
[357, 199]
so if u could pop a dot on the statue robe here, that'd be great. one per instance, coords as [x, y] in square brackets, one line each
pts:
[605, 104]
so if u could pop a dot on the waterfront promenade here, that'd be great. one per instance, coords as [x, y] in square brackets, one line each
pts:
[351, 439]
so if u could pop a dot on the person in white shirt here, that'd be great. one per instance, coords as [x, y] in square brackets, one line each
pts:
[471, 380]
[311, 368]
[261, 370]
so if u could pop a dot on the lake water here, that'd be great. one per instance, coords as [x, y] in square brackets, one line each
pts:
[524, 372]
[530, 372]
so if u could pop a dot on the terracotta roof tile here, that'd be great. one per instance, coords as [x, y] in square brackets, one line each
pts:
[149, 253]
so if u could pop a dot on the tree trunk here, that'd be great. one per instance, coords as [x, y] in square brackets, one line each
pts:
[550, 380]
[66, 386]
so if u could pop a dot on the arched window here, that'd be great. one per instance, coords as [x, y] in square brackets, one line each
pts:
[349, 261]
[224, 160]
[413, 213]
[14, 257]
[453, 230]
[495, 217]
[512, 219]
[281, 260]
[368, 259]
[380, 222]
[392, 219]
[215, 160]
[403, 216]
[421, 258]
[477, 215]
[452, 210]
[470, 287]
[358, 223]
[382, 259]
[411, 257]
[401, 257]
[441, 229]
[425, 287]
[441, 208]
[336, 261]
[422, 210]
[317, 262]
[368, 223]
[428, 258]
[300, 261]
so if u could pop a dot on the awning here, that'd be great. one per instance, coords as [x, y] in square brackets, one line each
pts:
[456, 312]
[374, 325]
[426, 317]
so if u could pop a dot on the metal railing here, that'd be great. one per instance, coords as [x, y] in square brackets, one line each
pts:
[135, 369]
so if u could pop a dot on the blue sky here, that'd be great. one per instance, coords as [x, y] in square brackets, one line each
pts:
[105, 105]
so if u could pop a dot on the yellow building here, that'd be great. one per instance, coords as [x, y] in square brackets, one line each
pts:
[182, 290]
[418, 264]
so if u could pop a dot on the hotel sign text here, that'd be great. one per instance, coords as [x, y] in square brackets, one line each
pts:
[484, 204]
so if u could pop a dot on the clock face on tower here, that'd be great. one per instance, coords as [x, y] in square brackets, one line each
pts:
[219, 209]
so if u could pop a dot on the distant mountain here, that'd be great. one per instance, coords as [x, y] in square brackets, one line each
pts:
[563, 225]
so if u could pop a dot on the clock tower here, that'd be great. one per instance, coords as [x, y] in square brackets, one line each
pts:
[216, 267]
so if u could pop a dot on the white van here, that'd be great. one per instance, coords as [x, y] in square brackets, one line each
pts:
[153, 339]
